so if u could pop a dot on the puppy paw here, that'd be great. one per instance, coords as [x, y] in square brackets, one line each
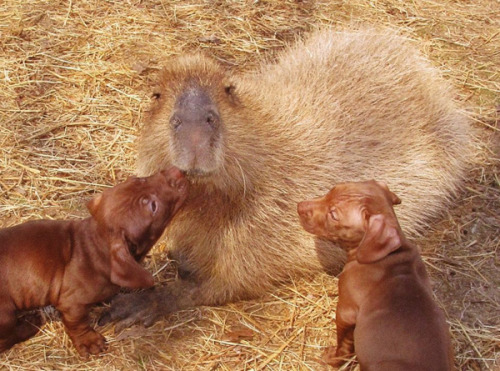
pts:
[91, 342]
[332, 357]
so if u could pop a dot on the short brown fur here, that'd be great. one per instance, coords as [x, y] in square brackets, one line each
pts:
[385, 311]
[73, 264]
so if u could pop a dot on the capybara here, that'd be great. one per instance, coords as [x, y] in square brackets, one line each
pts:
[385, 311]
[72, 264]
[338, 106]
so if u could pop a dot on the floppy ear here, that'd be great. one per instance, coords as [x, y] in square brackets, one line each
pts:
[93, 204]
[125, 271]
[381, 238]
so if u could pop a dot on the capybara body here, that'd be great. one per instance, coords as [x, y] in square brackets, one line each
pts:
[385, 313]
[72, 264]
[337, 106]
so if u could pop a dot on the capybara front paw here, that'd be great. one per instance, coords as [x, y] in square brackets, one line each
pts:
[139, 307]
[91, 342]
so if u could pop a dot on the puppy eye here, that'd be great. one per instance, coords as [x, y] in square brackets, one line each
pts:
[152, 205]
[334, 215]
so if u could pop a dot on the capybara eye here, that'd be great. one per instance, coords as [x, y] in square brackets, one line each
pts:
[334, 215]
[156, 95]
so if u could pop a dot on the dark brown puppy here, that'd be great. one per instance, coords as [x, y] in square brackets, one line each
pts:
[385, 308]
[73, 264]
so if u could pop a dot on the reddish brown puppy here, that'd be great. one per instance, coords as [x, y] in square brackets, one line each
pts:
[385, 309]
[73, 264]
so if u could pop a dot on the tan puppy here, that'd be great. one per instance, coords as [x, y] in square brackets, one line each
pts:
[385, 309]
[73, 264]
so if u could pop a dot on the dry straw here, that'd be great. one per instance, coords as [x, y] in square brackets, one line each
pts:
[75, 77]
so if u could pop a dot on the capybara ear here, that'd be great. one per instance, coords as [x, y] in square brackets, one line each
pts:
[156, 94]
[381, 238]
[125, 271]
[392, 196]
[230, 90]
[93, 205]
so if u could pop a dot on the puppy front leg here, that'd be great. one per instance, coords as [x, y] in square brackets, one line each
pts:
[86, 340]
[345, 339]
[345, 344]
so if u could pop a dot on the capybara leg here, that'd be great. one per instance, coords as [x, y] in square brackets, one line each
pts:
[86, 340]
[149, 306]
[14, 330]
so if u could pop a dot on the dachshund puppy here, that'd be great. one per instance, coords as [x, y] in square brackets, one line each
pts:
[385, 311]
[74, 264]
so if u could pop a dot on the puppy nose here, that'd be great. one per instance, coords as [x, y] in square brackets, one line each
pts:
[304, 208]
[175, 178]
[180, 184]
[173, 172]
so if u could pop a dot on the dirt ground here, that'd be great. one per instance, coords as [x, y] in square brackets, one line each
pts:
[75, 79]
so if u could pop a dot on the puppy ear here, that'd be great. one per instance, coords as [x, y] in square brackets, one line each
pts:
[93, 204]
[125, 271]
[381, 238]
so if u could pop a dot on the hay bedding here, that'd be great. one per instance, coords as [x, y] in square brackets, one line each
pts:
[74, 79]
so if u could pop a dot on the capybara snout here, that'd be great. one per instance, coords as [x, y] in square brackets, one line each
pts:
[195, 127]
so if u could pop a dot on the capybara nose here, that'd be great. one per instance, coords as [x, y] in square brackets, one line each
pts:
[304, 208]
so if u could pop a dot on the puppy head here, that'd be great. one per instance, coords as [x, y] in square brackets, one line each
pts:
[133, 216]
[357, 216]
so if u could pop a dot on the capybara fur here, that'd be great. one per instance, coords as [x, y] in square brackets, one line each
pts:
[338, 106]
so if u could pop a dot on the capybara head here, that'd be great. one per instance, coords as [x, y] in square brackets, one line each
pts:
[191, 122]
[356, 215]
[133, 215]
